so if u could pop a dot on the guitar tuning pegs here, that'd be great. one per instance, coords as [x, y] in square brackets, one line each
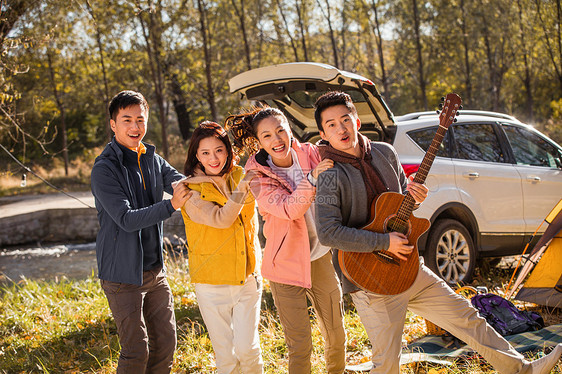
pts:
[438, 111]
[442, 98]
[455, 119]
[460, 107]
[440, 105]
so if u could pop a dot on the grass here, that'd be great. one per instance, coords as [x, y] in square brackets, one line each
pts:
[65, 326]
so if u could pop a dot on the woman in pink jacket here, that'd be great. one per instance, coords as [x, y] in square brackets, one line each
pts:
[296, 264]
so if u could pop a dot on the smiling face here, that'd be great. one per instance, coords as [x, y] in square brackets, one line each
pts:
[274, 135]
[212, 155]
[340, 127]
[129, 126]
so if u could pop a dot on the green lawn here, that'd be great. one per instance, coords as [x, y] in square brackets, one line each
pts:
[65, 326]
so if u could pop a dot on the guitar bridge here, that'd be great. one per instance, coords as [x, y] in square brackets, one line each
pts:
[388, 259]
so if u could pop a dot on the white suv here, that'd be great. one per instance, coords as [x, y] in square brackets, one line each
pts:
[492, 183]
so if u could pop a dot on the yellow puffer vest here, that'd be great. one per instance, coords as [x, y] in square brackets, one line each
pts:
[223, 256]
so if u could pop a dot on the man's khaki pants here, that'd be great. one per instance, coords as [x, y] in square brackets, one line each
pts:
[145, 321]
[326, 298]
[430, 297]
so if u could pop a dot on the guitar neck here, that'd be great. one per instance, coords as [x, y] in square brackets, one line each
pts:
[446, 118]
[407, 206]
[427, 161]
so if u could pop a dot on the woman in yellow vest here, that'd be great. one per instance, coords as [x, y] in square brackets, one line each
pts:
[224, 253]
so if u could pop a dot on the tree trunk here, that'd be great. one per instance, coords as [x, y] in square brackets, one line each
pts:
[241, 14]
[333, 41]
[60, 106]
[10, 13]
[104, 73]
[180, 107]
[549, 48]
[559, 37]
[527, 78]
[288, 31]
[490, 61]
[300, 12]
[152, 37]
[378, 38]
[155, 25]
[419, 54]
[344, 33]
[207, 56]
[467, 100]
[260, 31]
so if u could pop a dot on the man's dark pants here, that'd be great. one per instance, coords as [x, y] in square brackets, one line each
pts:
[145, 321]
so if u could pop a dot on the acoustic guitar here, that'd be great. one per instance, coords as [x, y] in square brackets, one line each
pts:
[382, 272]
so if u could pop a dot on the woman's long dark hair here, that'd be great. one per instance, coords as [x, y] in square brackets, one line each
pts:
[208, 129]
[243, 127]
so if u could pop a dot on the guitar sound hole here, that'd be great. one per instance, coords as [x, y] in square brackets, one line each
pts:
[395, 224]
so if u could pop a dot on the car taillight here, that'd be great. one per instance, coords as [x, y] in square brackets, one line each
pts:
[410, 169]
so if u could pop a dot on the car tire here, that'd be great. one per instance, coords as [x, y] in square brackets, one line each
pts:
[450, 251]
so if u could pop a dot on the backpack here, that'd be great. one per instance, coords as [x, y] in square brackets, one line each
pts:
[504, 317]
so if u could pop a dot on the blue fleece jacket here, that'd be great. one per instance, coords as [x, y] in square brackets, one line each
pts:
[119, 248]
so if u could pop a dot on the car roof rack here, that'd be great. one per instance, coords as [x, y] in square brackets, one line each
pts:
[417, 115]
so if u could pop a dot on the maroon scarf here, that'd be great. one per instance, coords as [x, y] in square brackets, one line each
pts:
[373, 182]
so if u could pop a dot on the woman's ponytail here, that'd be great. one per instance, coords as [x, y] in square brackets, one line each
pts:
[242, 128]
[244, 138]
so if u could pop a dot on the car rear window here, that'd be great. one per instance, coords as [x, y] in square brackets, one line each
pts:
[306, 99]
[424, 137]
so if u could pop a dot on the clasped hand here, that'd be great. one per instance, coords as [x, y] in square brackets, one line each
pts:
[181, 194]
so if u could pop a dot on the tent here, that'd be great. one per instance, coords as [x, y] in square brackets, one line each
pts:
[544, 285]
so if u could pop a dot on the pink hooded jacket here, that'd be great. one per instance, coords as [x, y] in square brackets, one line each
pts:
[286, 257]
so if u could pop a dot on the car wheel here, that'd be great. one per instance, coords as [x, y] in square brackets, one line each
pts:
[450, 252]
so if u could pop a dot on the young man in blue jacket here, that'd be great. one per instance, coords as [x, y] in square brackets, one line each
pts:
[128, 180]
[362, 171]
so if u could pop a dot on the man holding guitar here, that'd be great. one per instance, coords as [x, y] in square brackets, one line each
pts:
[375, 244]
